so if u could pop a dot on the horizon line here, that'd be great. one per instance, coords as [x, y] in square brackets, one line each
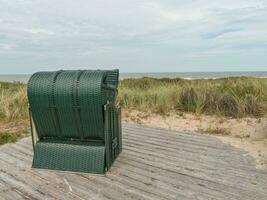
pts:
[156, 72]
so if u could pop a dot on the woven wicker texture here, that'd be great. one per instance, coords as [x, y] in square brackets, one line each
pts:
[39, 95]
[69, 156]
[67, 105]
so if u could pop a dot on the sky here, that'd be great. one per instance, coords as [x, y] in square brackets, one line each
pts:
[133, 35]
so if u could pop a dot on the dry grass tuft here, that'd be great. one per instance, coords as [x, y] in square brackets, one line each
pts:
[13, 101]
[13, 112]
[253, 106]
[229, 106]
[188, 100]
[215, 131]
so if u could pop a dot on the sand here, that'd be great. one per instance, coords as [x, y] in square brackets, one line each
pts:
[249, 134]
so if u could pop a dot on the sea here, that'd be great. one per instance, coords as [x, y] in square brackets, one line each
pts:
[185, 75]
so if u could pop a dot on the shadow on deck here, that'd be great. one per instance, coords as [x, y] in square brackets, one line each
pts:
[155, 164]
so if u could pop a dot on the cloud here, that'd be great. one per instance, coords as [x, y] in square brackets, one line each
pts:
[212, 35]
[152, 35]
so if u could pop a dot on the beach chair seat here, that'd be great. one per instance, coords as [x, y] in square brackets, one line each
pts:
[76, 125]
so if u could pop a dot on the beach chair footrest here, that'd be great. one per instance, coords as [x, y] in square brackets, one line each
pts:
[78, 156]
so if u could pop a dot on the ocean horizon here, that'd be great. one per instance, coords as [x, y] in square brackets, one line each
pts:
[185, 75]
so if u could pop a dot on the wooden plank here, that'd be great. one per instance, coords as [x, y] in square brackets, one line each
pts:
[191, 181]
[199, 173]
[50, 180]
[37, 182]
[179, 149]
[156, 164]
[207, 162]
[211, 144]
[172, 133]
[175, 186]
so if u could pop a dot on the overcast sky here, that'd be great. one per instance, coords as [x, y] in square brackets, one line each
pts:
[132, 35]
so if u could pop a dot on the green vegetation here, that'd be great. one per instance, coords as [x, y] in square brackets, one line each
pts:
[8, 137]
[13, 101]
[231, 97]
[13, 111]
[215, 131]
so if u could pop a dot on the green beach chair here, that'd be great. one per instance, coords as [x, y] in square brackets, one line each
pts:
[75, 123]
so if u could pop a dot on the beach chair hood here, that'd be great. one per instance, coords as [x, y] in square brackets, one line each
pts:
[75, 119]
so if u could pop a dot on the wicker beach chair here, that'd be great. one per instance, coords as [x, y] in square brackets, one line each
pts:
[75, 123]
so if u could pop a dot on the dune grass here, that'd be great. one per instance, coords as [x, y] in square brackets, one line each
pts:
[231, 97]
[13, 111]
[13, 101]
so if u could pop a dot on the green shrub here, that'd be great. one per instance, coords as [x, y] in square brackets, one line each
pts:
[8, 138]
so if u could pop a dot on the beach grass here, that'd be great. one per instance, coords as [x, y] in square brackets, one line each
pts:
[231, 97]
[13, 101]
[13, 112]
[227, 97]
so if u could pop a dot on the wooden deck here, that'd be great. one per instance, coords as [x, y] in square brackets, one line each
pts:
[155, 164]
